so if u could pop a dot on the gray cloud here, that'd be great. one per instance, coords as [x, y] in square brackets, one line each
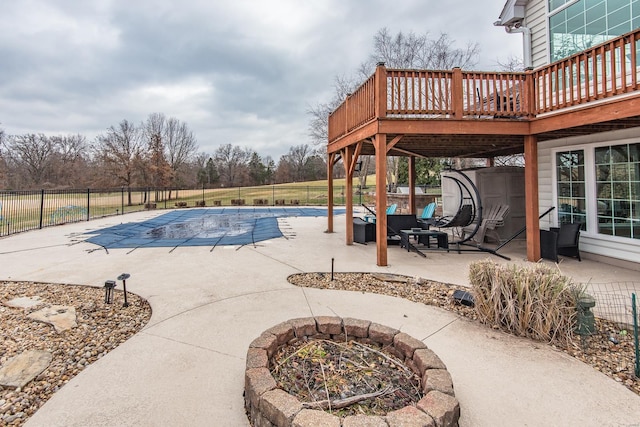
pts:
[241, 72]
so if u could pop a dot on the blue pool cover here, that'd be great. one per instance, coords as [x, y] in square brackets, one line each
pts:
[202, 227]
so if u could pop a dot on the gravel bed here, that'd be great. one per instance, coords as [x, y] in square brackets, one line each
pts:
[101, 328]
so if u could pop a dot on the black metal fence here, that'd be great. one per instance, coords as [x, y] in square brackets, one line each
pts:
[28, 210]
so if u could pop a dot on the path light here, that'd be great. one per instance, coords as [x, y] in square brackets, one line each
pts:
[124, 277]
[108, 291]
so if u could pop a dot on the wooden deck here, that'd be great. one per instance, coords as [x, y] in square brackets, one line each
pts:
[456, 113]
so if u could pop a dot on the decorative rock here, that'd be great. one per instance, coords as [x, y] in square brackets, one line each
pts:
[61, 317]
[409, 416]
[310, 417]
[444, 409]
[437, 379]
[24, 302]
[21, 369]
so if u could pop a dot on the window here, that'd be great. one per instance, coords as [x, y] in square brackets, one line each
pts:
[571, 193]
[617, 169]
[576, 26]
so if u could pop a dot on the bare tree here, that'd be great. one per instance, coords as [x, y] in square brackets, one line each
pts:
[120, 150]
[231, 162]
[3, 162]
[32, 154]
[180, 146]
[71, 160]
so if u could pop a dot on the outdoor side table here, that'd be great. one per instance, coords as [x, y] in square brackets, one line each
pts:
[424, 237]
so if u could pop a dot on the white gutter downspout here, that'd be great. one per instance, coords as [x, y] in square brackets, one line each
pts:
[526, 41]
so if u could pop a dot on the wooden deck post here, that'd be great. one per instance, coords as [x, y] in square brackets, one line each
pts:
[456, 93]
[347, 159]
[412, 184]
[531, 197]
[380, 92]
[380, 144]
[330, 162]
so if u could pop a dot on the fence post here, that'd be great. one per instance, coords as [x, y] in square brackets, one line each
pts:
[88, 199]
[41, 206]
[273, 195]
[122, 200]
[634, 310]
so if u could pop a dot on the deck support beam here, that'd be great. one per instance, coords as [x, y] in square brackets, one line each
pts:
[348, 159]
[531, 197]
[330, 163]
[380, 144]
[412, 184]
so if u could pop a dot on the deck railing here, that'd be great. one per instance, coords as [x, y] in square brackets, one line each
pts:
[607, 70]
[604, 71]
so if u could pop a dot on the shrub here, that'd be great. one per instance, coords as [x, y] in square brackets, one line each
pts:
[536, 302]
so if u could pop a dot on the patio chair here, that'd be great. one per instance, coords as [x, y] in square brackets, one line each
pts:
[462, 218]
[492, 219]
[563, 240]
[428, 211]
[391, 209]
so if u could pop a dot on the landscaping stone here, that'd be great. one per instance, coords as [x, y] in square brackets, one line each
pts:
[61, 317]
[313, 418]
[409, 417]
[381, 334]
[256, 382]
[444, 409]
[329, 325]
[283, 332]
[364, 421]
[407, 345]
[257, 358]
[356, 328]
[21, 369]
[305, 326]
[437, 379]
[24, 302]
[425, 358]
[279, 407]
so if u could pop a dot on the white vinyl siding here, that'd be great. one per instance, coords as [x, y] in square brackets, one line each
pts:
[590, 241]
[536, 21]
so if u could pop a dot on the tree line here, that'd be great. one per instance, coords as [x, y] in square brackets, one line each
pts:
[158, 152]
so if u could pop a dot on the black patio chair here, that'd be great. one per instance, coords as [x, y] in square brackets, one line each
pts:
[563, 240]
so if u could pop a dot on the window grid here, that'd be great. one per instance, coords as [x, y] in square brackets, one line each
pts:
[571, 191]
[586, 23]
[618, 190]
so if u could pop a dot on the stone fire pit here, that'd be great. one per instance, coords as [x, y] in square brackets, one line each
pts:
[268, 406]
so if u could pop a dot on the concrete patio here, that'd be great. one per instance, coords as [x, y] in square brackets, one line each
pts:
[186, 367]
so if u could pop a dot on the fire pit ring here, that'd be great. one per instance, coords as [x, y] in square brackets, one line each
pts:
[267, 405]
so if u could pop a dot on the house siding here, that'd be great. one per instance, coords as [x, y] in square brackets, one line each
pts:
[536, 21]
[609, 246]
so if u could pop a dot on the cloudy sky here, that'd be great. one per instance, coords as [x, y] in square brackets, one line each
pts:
[242, 72]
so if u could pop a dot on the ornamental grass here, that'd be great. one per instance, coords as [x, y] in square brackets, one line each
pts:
[535, 302]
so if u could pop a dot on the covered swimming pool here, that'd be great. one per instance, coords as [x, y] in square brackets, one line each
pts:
[202, 227]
